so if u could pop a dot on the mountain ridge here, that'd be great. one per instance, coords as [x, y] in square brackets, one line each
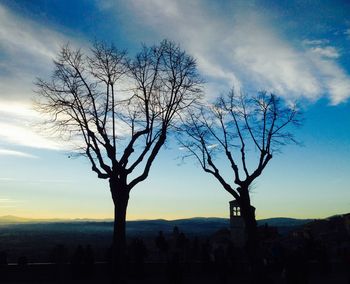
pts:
[11, 219]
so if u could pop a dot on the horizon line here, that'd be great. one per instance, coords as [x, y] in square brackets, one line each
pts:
[28, 219]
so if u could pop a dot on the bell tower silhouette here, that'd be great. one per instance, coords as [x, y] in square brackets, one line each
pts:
[237, 224]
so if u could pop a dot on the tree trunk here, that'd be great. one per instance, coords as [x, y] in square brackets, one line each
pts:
[248, 215]
[119, 236]
[120, 197]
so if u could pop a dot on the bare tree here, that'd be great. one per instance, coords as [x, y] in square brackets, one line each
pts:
[227, 130]
[121, 110]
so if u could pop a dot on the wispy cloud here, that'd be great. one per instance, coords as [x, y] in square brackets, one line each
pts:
[6, 152]
[17, 109]
[347, 33]
[328, 51]
[315, 41]
[9, 202]
[6, 179]
[21, 135]
[16, 121]
[27, 45]
[245, 48]
[332, 77]
[24, 37]
[27, 49]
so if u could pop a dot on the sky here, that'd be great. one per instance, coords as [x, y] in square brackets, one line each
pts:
[299, 50]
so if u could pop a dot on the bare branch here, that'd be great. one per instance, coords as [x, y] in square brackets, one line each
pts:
[109, 101]
[233, 121]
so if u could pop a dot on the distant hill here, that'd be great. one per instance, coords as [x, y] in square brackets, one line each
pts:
[279, 221]
[200, 226]
[197, 225]
[283, 222]
[13, 219]
[10, 219]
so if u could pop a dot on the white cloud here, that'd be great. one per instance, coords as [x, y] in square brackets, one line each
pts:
[333, 78]
[242, 47]
[347, 33]
[328, 51]
[270, 63]
[6, 152]
[17, 109]
[28, 45]
[18, 34]
[16, 123]
[315, 41]
[21, 135]
[27, 49]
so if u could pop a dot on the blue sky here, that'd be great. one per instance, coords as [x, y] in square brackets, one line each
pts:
[297, 49]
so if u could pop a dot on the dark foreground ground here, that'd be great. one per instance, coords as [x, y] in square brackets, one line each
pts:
[170, 273]
[193, 251]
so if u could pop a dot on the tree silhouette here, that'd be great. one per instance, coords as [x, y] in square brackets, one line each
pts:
[227, 130]
[120, 111]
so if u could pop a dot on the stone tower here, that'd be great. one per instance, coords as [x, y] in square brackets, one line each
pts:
[237, 224]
